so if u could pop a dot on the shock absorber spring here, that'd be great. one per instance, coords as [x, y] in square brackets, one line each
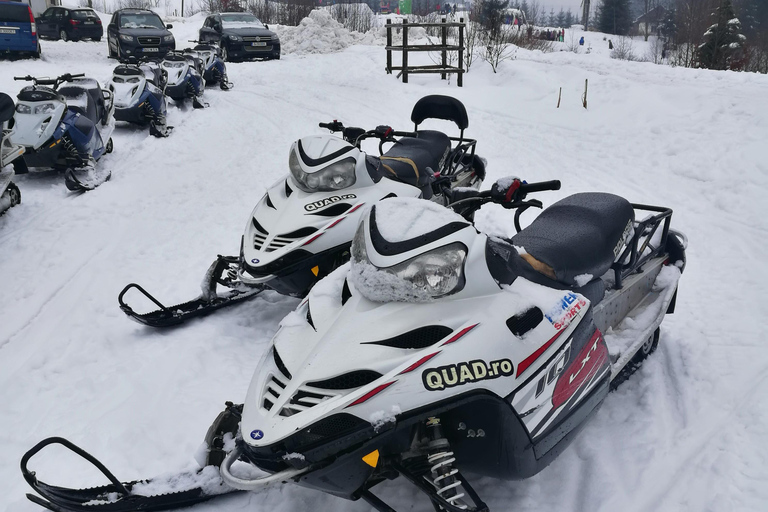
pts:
[72, 155]
[441, 459]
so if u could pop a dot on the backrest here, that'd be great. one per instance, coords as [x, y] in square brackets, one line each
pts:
[437, 106]
[7, 108]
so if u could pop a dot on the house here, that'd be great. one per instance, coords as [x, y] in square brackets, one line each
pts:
[650, 22]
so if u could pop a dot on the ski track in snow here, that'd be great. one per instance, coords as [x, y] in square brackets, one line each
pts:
[687, 433]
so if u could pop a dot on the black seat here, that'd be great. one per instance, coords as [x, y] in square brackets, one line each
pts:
[408, 160]
[6, 108]
[578, 236]
[79, 100]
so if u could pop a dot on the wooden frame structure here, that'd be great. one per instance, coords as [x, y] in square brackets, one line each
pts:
[443, 68]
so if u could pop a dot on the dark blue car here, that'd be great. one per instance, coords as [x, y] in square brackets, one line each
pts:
[18, 32]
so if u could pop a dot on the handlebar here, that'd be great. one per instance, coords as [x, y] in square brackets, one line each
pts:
[50, 81]
[527, 188]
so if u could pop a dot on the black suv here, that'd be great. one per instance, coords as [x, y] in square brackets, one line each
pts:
[241, 36]
[70, 24]
[138, 33]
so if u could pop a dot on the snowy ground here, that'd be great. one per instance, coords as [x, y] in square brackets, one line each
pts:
[688, 433]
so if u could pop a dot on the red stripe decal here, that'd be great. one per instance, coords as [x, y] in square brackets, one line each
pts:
[461, 333]
[528, 361]
[337, 221]
[511, 190]
[419, 363]
[313, 239]
[356, 207]
[371, 393]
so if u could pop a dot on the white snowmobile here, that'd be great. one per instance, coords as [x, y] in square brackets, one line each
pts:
[301, 228]
[9, 192]
[437, 350]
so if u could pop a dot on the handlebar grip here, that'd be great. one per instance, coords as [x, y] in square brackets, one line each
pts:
[325, 125]
[22, 77]
[541, 186]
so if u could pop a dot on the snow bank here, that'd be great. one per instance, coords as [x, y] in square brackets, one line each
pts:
[319, 33]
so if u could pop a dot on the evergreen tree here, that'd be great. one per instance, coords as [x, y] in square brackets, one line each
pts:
[568, 19]
[492, 13]
[613, 17]
[747, 12]
[723, 41]
[552, 20]
[524, 8]
[561, 18]
[668, 28]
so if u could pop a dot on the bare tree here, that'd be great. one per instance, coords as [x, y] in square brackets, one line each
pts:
[623, 49]
[496, 48]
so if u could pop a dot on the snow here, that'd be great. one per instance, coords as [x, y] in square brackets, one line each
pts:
[687, 433]
[401, 218]
[583, 279]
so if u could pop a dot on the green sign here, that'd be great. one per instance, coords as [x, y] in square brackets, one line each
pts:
[405, 6]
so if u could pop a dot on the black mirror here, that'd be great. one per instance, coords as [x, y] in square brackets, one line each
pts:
[266, 26]
[217, 26]
[169, 26]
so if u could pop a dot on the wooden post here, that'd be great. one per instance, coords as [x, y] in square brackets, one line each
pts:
[558, 97]
[389, 45]
[405, 51]
[584, 98]
[460, 79]
[444, 34]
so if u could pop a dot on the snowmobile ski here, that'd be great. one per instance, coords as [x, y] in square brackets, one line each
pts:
[81, 180]
[208, 301]
[176, 491]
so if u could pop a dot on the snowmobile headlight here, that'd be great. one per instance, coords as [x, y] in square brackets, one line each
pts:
[23, 109]
[422, 278]
[126, 38]
[45, 108]
[336, 176]
[167, 39]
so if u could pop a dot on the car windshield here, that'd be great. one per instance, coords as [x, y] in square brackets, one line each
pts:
[240, 20]
[140, 21]
[14, 13]
[84, 14]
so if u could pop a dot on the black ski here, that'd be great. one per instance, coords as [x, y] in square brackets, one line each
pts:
[121, 496]
[80, 180]
[167, 316]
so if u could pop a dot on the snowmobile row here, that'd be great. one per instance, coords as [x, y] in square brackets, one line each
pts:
[462, 352]
[301, 229]
[64, 124]
[141, 86]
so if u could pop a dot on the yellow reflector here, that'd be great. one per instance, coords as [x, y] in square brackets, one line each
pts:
[315, 270]
[372, 458]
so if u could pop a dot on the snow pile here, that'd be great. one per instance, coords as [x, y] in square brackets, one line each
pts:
[381, 419]
[318, 33]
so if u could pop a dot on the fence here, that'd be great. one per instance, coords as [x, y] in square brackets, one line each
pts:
[444, 68]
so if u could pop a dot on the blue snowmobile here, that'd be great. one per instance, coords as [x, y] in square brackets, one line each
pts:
[64, 124]
[185, 77]
[138, 95]
[214, 69]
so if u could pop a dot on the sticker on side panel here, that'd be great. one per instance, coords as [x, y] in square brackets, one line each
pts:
[436, 379]
[565, 310]
[256, 435]
[311, 207]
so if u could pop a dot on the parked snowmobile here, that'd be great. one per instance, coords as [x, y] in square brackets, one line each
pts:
[185, 77]
[214, 69]
[66, 127]
[9, 192]
[461, 352]
[301, 228]
[138, 92]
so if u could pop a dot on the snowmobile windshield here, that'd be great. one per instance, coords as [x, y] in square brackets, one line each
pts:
[336, 176]
[423, 278]
[241, 21]
[141, 21]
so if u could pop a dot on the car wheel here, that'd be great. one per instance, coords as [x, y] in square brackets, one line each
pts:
[14, 194]
[109, 147]
[119, 53]
[63, 35]
[38, 53]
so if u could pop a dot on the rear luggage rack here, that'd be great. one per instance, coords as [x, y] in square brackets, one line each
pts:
[641, 248]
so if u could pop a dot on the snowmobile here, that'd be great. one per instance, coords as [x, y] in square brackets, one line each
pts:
[214, 69]
[301, 228]
[462, 352]
[9, 192]
[137, 89]
[65, 124]
[185, 77]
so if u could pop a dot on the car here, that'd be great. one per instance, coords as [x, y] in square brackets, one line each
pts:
[241, 36]
[136, 33]
[70, 24]
[18, 30]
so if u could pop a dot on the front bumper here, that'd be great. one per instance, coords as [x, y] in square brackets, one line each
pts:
[135, 114]
[134, 49]
[247, 50]
[92, 32]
